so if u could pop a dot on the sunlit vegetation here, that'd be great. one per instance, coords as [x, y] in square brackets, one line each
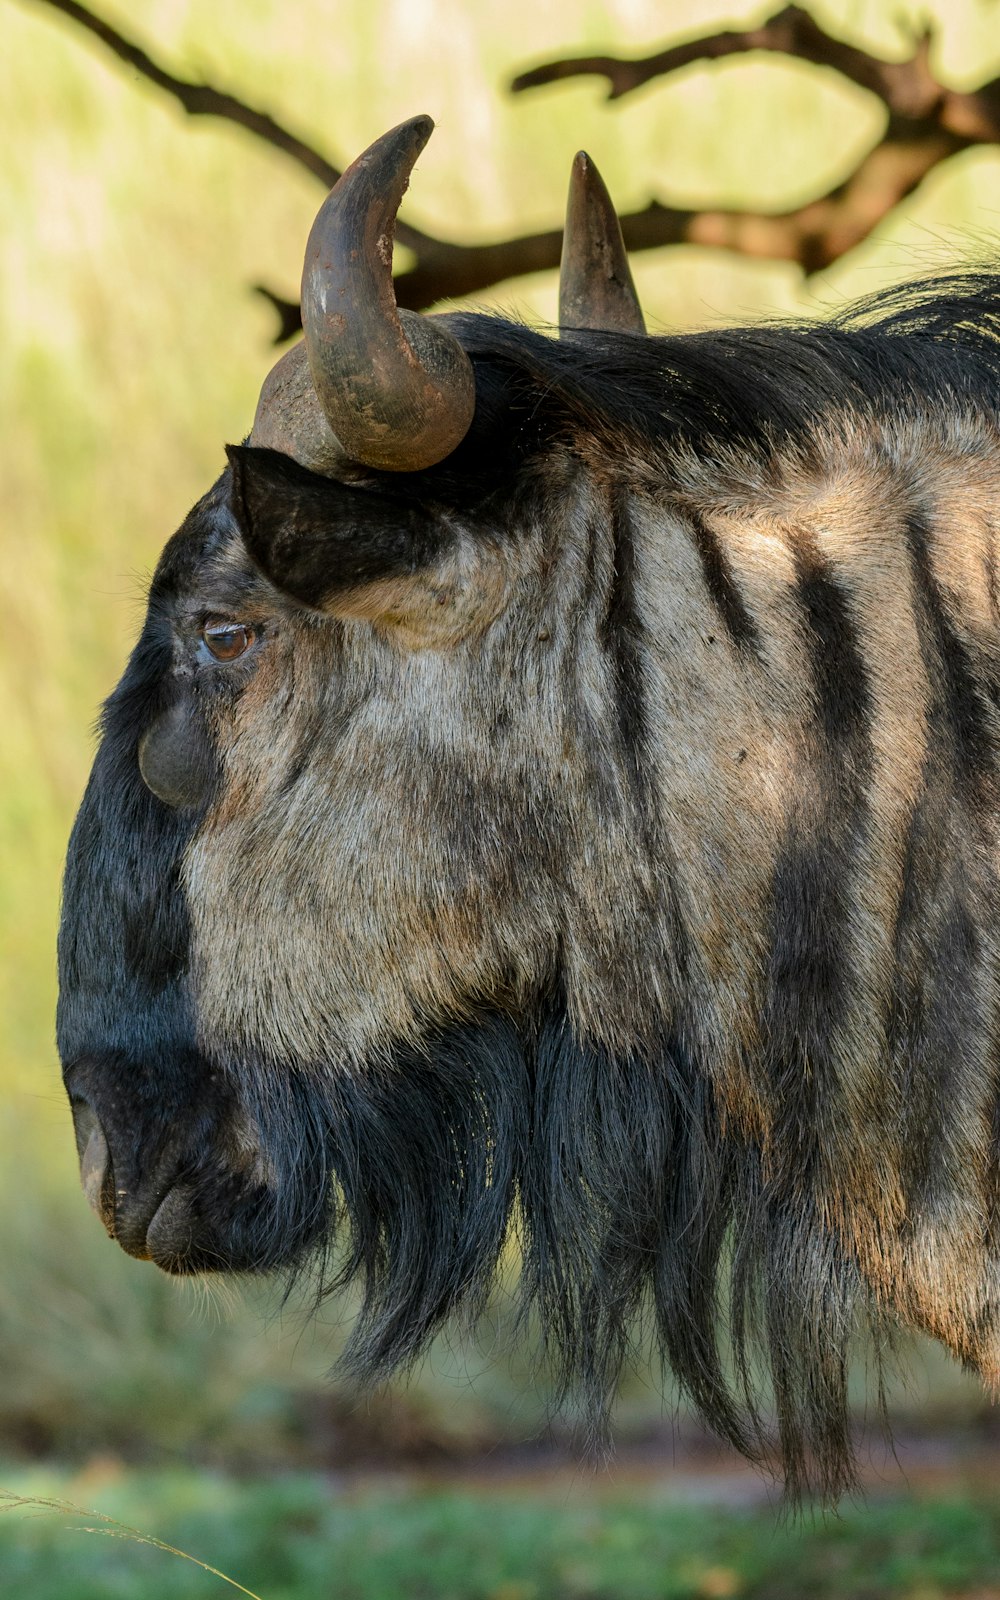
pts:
[298, 1538]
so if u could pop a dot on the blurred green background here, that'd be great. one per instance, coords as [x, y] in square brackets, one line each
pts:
[131, 348]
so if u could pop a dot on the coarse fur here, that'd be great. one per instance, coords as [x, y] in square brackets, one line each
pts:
[598, 842]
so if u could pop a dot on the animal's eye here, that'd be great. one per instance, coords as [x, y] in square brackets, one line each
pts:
[226, 640]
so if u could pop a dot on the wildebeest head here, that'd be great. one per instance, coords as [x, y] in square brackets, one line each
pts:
[554, 791]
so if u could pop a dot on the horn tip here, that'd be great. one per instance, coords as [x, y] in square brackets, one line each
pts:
[399, 147]
[420, 129]
[586, 182]
[581, 172]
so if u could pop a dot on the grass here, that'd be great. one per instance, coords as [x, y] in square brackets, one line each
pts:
[304, 1537]
[98, 1522]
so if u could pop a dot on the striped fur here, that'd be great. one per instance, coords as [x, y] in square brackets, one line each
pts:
[606, 848]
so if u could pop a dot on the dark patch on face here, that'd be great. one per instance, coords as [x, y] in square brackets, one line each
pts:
[125, 1027]
[723, 588]
[125, 1024]
[122, 866]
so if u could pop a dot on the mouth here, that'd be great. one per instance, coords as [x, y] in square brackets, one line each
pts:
[153, 1221]
[186, 1199]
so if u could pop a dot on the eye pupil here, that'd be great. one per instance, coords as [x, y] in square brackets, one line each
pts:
[227, 640]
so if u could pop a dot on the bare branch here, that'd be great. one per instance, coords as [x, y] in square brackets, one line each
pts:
[203, 100]
[818, 234]
[289, 313]
[200, 99]
[927, 123]
[790, 32]
[908, 88]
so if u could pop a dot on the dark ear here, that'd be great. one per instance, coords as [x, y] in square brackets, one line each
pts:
[323, 543]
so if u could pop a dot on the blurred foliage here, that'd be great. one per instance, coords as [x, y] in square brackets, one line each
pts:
[300, 1538]
[131, 348]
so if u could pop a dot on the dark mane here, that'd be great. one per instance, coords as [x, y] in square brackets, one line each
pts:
[910, 349]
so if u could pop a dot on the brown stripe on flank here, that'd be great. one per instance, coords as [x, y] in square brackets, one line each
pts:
[619, 633]
[722, 586]
[990, 572]
[961, 705]
[814, 976]
[840, 674]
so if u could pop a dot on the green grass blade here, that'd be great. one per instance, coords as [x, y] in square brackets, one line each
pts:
[111, 1529]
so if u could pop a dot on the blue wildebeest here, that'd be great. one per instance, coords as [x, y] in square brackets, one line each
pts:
[555, 790]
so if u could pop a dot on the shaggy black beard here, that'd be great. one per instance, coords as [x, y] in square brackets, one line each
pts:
[637, 1219]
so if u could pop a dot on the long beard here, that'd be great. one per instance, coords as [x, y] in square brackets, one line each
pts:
[636, 1220]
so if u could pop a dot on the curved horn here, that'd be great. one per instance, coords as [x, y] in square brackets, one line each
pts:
[595, 282]
[396, 389]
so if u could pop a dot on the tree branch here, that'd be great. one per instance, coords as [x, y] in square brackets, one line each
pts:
[443, 270]
[200, 99]
[906, 85]
[908, 88]
[927, 123]
[819, 233]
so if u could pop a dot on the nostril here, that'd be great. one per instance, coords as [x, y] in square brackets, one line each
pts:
[170, 1234]
[96, 1173]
